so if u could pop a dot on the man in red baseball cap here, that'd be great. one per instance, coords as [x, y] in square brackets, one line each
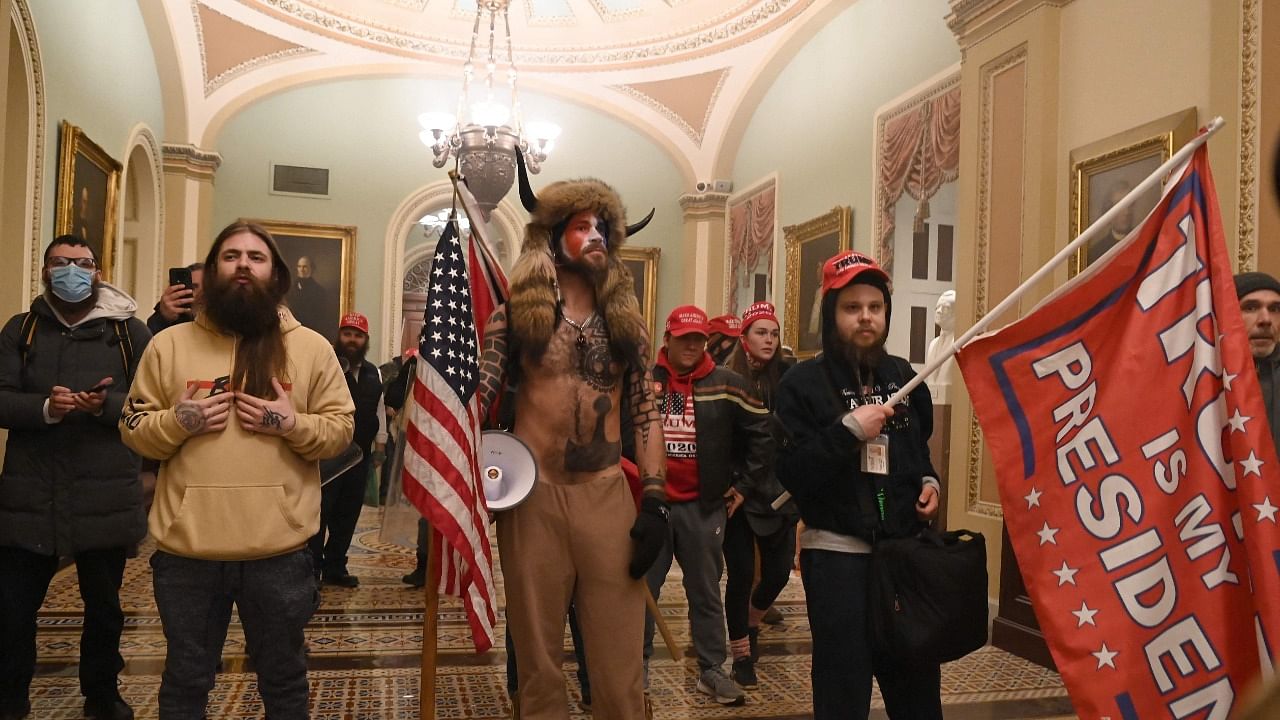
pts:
[723, 332]
[857, 471]
[713, 427]
[342, 497]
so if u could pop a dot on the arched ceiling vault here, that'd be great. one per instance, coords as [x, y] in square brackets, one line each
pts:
[686, 73]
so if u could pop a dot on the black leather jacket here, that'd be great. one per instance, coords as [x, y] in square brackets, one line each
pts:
[732, 429]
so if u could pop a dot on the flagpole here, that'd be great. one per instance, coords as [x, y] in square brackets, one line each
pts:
[1094, 230]
[1098, 226]
[430, 634]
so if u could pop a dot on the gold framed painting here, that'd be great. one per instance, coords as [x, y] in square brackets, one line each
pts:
[1105, 171]
[809, 245]
[321, 261]
[642, 262]
[88, 194]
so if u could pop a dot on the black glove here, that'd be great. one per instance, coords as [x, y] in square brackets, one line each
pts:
[650, 534]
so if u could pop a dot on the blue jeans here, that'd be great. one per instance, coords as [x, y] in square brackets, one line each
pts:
[275, 597]
[835, 588]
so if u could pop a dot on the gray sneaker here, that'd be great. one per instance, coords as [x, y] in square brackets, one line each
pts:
[715, 684]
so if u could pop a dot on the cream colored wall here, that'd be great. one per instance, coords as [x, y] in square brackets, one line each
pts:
[366, 132]
[100, 75]
[1094, 68]
[1115, 77]
[815, 126]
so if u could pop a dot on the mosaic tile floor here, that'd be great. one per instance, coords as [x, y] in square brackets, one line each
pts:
[365, 652]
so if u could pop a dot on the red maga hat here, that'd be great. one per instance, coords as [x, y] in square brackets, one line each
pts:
[687, 319]
[841, 270]
[727, 324]
[355, 320]
[758, 311]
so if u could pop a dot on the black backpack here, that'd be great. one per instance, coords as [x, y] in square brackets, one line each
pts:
[928, 598]
[122, 339]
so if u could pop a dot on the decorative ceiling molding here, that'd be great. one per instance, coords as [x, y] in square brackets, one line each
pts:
[704, 206]
[544, 20]
[189, 161]
[608, 14]
[686, 101]
[230, 48]
[973, 20]
[1250, 59]
[745, 21]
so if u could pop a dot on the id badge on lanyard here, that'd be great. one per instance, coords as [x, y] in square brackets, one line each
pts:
[875, 455]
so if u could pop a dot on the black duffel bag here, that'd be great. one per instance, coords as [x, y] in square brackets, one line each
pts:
[928, 602]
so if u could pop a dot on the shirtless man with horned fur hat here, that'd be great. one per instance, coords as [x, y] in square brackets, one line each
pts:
[573, 341]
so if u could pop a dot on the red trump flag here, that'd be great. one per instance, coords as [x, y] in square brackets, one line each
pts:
[1138, 479]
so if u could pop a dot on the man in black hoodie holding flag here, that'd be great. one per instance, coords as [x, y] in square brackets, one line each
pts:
[858, 472]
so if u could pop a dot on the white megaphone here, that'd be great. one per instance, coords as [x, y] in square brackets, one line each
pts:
[507, 470]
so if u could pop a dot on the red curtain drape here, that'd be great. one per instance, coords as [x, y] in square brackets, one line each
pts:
[750, 234]
[919, 153]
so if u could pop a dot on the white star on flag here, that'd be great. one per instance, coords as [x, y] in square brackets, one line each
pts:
[1033, 498]
[1252, 464]
[1085, 615]
[1227, 378]
[1046, 534]
[1266, 511]
[1105, 657]
[1066, 574]
[1237, 421]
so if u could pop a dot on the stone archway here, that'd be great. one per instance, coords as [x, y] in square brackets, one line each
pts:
[22, 174]
[138, 262]
[506, 223]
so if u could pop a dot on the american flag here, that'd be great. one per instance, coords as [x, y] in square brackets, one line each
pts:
[442, 440]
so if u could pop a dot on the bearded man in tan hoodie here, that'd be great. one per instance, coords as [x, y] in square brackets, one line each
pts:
[239, 407]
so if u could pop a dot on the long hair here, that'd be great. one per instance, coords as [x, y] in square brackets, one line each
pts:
[763, 381]
[260, 357]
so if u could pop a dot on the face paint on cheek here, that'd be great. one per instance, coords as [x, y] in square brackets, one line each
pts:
[602, 227]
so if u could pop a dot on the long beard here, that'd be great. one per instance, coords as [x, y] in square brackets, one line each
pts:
[353, 356]
[864, 361]
[247, 310]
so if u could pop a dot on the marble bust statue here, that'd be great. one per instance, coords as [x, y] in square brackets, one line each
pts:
[945, 317]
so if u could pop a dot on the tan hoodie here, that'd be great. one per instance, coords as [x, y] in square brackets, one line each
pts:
[235, 495]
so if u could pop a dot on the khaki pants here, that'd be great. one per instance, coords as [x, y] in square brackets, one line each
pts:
[571, 542]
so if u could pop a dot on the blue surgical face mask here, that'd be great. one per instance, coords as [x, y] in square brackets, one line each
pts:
[71, 283]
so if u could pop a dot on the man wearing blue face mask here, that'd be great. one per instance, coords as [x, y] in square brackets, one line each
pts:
[69, 487]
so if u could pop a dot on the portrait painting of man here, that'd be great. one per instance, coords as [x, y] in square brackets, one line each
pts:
[320, 260]
[87, 194]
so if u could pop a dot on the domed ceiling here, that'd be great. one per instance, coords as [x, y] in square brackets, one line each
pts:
[550, 34]
[684, 72]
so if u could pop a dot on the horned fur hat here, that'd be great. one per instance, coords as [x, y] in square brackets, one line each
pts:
[533, 303]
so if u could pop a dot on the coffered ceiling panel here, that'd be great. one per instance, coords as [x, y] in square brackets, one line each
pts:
[229, 48]
[686, 101]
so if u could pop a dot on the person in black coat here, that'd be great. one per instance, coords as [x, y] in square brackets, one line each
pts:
[758, 529]
[342, 498]
[858, 472]
[69, 487]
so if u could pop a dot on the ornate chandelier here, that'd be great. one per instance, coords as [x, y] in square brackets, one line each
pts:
[484, 135]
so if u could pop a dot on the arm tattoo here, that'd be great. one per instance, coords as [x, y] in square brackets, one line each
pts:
[651, 452]
[190, 416]
[644, 411]
[272, 419]
[493, 360]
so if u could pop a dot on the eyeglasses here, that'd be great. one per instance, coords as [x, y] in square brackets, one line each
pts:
[57, 261]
